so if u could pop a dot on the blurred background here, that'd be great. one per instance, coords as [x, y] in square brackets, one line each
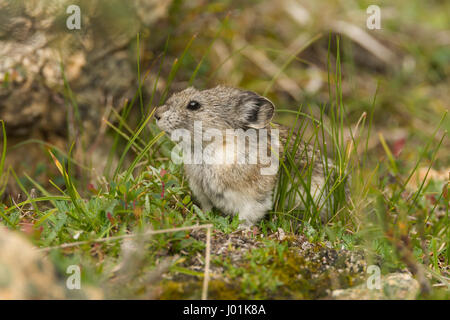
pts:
[57, 85]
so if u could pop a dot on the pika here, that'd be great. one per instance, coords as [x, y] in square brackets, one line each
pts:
[234, 184]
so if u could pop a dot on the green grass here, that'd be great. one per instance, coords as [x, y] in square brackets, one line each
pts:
[382, 217]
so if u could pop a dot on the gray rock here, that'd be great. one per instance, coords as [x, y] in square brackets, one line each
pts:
[394, 286]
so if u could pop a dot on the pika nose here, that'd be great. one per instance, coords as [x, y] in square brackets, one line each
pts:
[159, 111]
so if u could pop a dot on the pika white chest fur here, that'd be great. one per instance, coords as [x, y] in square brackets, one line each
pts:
[207, 184]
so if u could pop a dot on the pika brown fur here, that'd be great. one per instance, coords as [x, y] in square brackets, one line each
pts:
[234, 188]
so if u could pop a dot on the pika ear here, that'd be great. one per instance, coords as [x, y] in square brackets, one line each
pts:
[255, 111]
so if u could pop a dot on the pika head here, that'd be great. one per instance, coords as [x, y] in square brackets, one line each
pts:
[220, 107]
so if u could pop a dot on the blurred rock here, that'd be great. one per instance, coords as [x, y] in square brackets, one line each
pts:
[395, 286]
[24, 273]
[98, 64]
[27, 274]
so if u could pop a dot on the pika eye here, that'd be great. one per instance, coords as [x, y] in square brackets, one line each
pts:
[193, 105]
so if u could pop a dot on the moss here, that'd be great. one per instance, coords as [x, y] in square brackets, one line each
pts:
[295, 272]
[174, 290]
[217, 290]
[220, 290]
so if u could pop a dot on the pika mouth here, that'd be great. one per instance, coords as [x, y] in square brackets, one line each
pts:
[159, 125]
[163, 125]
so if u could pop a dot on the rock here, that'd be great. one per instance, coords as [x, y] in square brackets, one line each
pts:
[99, 66]
[24, 273]
[395, 286]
